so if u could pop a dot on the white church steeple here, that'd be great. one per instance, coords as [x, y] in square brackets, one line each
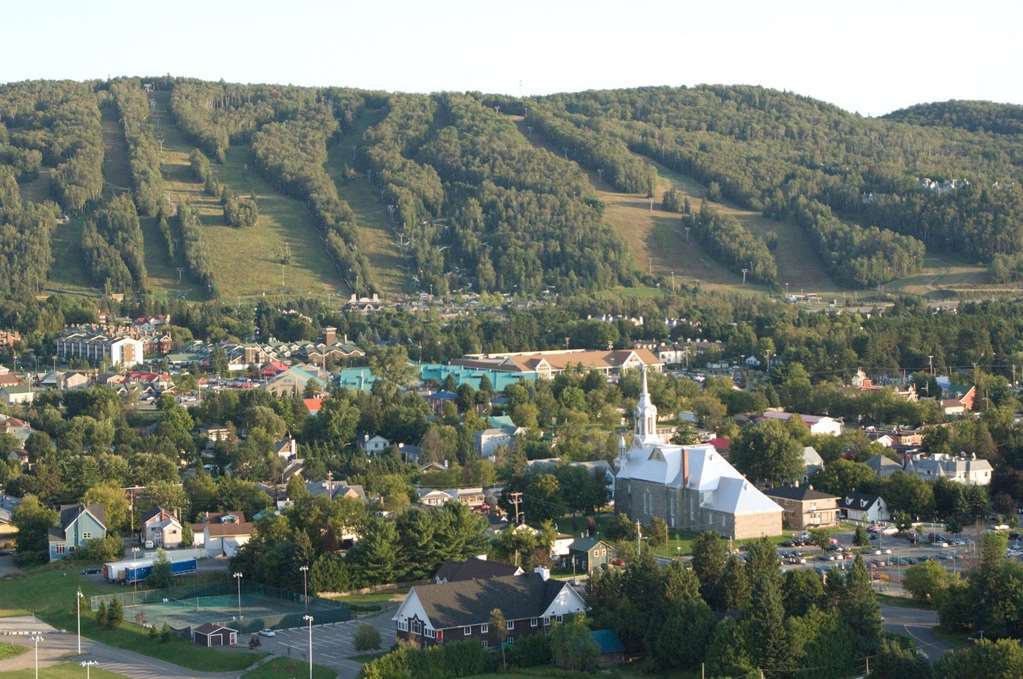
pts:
[646, 418]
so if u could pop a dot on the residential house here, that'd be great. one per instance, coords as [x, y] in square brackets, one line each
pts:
[19, 429]
[374, 445]
[883, 466]
[161, 528]
[16, 394]
[960, 404]
[469, 569]
[818, 424]
[9, 338]
[78, 525]
[334, 489]
[501, 432]
[460, 611]
[863, 508]
[229, 531]
[435, 497]
[7, 506]
[961, 469]
[812, 462]
[691, 488]
[589, 554]
[805, 507]
[286, 448]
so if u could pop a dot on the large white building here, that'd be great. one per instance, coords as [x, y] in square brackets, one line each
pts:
[123, 352]
[691, 487]
[962, 469]
[818, 424]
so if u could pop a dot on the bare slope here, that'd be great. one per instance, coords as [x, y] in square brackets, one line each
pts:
[247, 261]
[375, 235]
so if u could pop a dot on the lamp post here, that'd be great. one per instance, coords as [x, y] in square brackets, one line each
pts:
[309, 619]
[238, 579]
[37, 639]
[88, 664]
[305, 586]
[78, 610]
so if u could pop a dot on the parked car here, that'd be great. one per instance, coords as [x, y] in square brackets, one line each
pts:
[267, 632]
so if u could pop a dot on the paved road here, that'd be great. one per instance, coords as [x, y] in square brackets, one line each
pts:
[60, 647]
[333, 643]
[918, 624]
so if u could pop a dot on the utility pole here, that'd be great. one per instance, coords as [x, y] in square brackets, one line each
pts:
[88, 664]
[744, 272]
[309, 619]
[516, 498]
[930, 363]
[639, 538]
[78, 611]
[37, 639]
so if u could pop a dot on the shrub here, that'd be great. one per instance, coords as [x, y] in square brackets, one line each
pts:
[367, 638]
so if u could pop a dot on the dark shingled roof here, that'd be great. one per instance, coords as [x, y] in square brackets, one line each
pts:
[211, 627]
[454, 571]
[469, 602]
[803, 493]
[68, 514]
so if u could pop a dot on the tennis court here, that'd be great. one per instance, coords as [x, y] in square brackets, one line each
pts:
[258, 610]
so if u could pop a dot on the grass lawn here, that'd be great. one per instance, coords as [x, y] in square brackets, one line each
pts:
[393, 595]
[12, 612]
[905, 602]
[367, 657]
[278, 668]
[11, 650]
[68, 670]
[246, 260]
[49, 592]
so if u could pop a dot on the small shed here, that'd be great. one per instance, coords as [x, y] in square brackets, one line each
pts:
[211, 634]
[611, 648]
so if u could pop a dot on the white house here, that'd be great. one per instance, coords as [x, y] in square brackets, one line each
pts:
[818, 424]
[864, 508]
[161, 528]
[961, 469]
[812, 462]
[374, 445]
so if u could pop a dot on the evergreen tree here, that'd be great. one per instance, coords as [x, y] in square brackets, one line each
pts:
[735, 585]
[767, 637]
[860, 610]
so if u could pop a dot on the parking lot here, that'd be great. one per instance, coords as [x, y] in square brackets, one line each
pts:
[333, 643]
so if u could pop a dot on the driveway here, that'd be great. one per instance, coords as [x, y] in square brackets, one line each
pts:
[917, 624]
[333, 643]
[61, 646]
[7, 566]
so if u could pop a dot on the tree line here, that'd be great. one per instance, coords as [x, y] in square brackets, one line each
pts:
[113, 246]
[144, 149]
[727, 239]
[193, 247]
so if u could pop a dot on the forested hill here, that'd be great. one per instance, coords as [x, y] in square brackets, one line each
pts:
[488, 193]
[976, 116]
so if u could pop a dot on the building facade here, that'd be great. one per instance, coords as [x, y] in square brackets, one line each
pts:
[690, 487]
[124, 352]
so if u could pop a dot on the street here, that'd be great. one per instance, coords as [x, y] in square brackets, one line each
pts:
[917, 624]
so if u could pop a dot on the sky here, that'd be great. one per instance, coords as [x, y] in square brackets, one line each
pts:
[867, 56]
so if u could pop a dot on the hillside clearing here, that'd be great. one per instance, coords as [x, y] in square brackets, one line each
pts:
[246, 261]
[798, 264]
[116, 165]
[375, 235]
[653, 236]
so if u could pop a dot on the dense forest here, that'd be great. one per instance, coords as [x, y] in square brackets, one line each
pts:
[113, 246]
[492, 193]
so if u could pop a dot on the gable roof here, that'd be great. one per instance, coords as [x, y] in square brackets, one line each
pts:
[858, 501]
[801, 493]
[586, 544]
[70, 513]
[455, 571]
[210, 628]
[469, 602]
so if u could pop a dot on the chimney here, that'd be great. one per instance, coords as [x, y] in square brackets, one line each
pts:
[685, 467]
[330, 335]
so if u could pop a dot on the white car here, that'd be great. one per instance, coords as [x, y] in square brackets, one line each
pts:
[267, 632]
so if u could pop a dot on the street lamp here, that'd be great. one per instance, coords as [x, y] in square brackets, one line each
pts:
[305, 586]
[87, 664]
[37, 639]
[238, 577]
[309, 619]
[78, 610]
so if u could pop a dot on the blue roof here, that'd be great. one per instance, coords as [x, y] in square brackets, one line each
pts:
[356, 378]
[501, 422]
[499, 379]
[607, 641]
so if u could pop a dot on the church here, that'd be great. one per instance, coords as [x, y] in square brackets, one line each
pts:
[692, 488]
